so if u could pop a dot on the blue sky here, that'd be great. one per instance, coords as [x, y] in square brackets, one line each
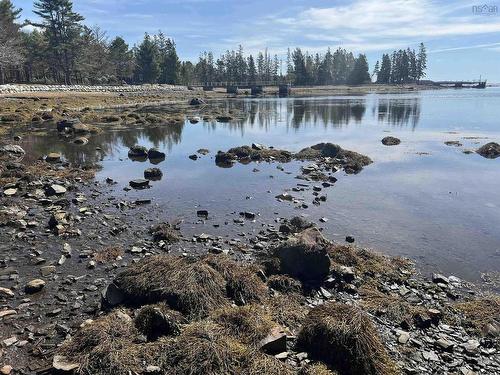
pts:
[461, 44]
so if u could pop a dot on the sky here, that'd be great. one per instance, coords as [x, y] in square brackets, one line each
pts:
[462, 42]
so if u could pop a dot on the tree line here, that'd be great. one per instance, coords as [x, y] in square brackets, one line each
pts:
[60, 48]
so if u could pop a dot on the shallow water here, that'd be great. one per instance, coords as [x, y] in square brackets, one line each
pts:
[421, 199]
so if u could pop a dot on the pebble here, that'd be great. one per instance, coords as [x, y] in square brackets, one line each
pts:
[34, 286]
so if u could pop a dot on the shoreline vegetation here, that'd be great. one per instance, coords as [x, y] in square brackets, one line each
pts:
[91, 285]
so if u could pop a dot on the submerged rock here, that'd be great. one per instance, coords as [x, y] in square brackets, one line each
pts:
[138, 152]
[391, 141]
[490, 150]
[154, 174]
[139, 184]
[196, 101]
[154, 153]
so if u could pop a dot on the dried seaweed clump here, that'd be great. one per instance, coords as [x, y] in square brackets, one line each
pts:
[343, 337]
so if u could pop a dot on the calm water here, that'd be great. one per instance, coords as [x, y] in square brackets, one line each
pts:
[421, 199]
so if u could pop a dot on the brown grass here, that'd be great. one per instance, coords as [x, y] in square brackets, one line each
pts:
[317, 369]
[242, 283]
[480, 313]
[203, 348]
[107, 346]
[288, 311]
[370, 263]
[108, 254]
[190, 286]
[262, 364]
[249, 324]
[158, 320]
[345, 338]
[392, 306]
[194, 287]
[41, 169]
[284, 284]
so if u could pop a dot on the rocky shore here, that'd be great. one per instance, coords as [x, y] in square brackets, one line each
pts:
[91, 284]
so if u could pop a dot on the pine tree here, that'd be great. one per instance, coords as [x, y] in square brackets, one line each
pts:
[147, 65]
[421, 62]
[62, 27]
[376, 69]
[121, 59]
[10, 38]
[384, 75]
[252, 70]
[359, 73]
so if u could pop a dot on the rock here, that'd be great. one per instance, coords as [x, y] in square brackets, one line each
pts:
[422, 320]
[153, 370]
[445, 344]
[435, 315]
[6, 370]
[112, 296]
[196, 101]
[10, 192]
[53, 157]
[259, 147]
[404, 337]
[193, 157]
[305, 256]
[5, 313]
[10, 341]
[81, 128]
[138, 152]
[274, 343]
[194, 120]
[154, 153]
[203, 151]
[202, 213]
[439, 279]
[453, 143]
[4, 292]
[66, 124]
[430, 356]
[471, 347]
[47, 270]
[153, 174]
[12, 150]
[34, 286]
[490, 150]
[139, 184]
[391, 141]
[61, 363]
[80, 141]
[55, 190]
[350, 239]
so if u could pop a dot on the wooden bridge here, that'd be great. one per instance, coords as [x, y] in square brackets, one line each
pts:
[459, 84]
[256, 88]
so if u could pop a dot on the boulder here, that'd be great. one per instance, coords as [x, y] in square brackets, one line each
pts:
[154, 153]
[196, 101]
[274, 343]
[34, 286]
[112, 296]
[139, 184]
[153, 174]
[53, 157]
[138, 152]
[66, 124]
[490, 150]
[80, 141]
[305, 256]
[81, 128]
[391, 141]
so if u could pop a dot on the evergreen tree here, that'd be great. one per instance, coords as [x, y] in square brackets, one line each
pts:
[384, 75]
[359, 73]
[376, 69]
[168, 61]
[147, 65]
[421, 62]
[121, 59]
[252, 70]
[10, 38]
[62, 27]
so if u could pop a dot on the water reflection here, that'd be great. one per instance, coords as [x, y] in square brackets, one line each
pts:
[298, 113]
[265, 115]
